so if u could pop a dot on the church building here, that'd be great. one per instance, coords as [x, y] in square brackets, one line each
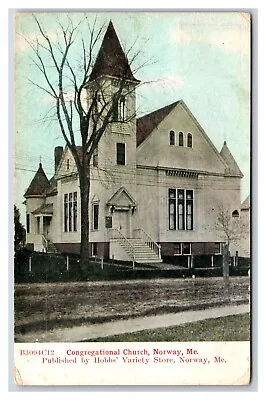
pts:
[157, 183]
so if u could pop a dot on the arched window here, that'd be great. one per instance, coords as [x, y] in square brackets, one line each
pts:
[119, 113]
[235, 214]
[122, 103]
[181, 139]
[172, 138]
[189, 140]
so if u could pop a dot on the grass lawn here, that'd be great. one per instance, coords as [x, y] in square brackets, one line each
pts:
[45, 306]
[230, 328]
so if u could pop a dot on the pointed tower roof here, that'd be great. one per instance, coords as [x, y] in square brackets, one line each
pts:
[246, 204]
[111, 59]
[233, 168]
[39, 184]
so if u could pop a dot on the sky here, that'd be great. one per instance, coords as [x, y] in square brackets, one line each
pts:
[202, 58]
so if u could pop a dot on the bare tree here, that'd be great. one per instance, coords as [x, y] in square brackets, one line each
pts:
[231, 229]
[65, 81]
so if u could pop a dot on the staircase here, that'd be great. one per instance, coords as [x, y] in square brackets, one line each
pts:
[142, 252]
[141, 248]
[51, 249]
[49, 246]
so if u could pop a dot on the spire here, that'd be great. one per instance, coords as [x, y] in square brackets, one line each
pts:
[111, 59]
[233, 168]
[39, 184]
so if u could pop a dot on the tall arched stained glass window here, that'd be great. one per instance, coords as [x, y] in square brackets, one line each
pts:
[172, 138]
[189, 140]
[181, 139]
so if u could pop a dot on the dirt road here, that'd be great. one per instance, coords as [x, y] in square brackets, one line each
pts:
[46, 306]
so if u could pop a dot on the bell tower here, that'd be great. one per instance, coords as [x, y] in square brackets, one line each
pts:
[112, 84]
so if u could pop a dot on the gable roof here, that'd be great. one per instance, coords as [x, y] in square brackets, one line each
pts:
[122, 192]
[111, 59]
[39, 184]
[233, 168]
[147, 123]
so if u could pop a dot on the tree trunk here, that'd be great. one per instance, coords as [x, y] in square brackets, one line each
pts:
[84, 222]
[226, 261]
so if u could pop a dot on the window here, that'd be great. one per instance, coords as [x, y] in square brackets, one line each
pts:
[95, 216]
[68, 163]
[120, 154]
[172, 138]
[189, 209]
[119, 112]
[180, 211]
[75, 212]
[38, 225]
[182, 248]
[217, 248]
[180, 205]
[172, 209]
[177, 248]
[108, 222]
[181, 139]
[186, 248]
[95, 157]
[235, 214]
[94, 249]
[122, 109]
[66, 212]
[28, 223]
[189, 140]
[70, 212]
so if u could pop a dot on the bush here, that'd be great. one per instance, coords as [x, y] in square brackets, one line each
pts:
[53, 268]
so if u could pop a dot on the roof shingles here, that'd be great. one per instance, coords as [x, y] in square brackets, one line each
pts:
[111, 59]
[39, 184]
[147, 123]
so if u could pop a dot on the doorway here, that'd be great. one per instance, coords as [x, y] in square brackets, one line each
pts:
[122, 222]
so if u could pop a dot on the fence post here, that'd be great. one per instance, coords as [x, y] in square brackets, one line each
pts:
[29, 264]
[67, 263]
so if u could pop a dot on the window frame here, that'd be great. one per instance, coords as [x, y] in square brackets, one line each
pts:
[95, 216]
[178, 209]
[120, 156]
[220, 248]
[27, 223]
[189, 140]
[172, 138]
[181, 139]
[190, 248]
[70, 212]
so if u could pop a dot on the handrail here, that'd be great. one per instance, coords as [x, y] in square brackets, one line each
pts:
[44, 242]
[126, 239]
[151, 242]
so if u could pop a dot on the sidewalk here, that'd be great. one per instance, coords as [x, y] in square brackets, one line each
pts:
[83, 333]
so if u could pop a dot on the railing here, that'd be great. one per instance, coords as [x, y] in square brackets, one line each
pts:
[116, 234]
[44, 243]
[141, 234]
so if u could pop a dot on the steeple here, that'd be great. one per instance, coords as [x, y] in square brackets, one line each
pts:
[39, 184]
[111, 59]
[233, 168]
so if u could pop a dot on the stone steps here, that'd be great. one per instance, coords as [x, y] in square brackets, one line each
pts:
[143, 253]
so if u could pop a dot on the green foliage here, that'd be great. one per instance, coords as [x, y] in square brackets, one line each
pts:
[19, 230]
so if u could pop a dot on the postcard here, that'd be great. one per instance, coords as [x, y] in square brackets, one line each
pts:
[132, 261]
